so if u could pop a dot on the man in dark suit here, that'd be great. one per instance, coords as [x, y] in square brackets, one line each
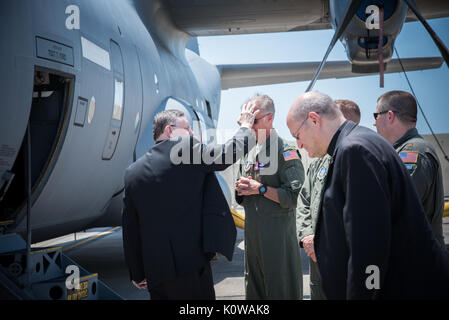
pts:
[372, 238]
[163, 207]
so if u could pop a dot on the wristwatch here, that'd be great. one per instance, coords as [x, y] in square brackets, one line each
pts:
[262, 190]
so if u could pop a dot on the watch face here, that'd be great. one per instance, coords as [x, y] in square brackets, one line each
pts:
[262, 189]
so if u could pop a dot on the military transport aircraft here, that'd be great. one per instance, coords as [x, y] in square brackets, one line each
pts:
[83, 79]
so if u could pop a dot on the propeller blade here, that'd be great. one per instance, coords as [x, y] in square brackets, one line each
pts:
[443, 49]
[350, 12]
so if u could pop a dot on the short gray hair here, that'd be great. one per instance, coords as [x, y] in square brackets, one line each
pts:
[265, 103]
[164, 118]
[316, 102]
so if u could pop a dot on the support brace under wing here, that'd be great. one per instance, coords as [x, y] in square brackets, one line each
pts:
[247, 75]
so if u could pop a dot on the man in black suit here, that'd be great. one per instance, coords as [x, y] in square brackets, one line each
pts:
[163, 207]
[372, 238]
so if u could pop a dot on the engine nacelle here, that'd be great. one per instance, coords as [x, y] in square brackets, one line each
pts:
[361, 36]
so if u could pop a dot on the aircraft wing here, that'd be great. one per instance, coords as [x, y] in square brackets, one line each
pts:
[246, 75]
[226, 17]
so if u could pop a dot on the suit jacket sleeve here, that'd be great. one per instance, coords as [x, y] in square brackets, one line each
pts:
[132, 245]
[366, 218]
[219, 232]
[216, 157]
[239, 199]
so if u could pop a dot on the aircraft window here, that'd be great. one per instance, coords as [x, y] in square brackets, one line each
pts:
[209, 110]
[118, 100]
[196, 127]
[203, 127]
[136, 123]
[91, 113]
[156, 82]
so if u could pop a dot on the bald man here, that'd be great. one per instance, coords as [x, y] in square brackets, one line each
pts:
[372, 239]
[309, 203]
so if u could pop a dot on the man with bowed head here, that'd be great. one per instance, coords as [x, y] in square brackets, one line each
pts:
[309, 202]
[370, 222]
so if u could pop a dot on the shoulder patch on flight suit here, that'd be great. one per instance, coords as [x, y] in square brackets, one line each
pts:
[409, 157]
[247, 166]
[321, 173]
[291, 155]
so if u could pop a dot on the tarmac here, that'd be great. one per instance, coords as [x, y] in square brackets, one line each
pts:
[101, 251]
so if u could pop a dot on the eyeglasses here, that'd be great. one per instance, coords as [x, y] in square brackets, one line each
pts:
[376, 114]
[255, 120]
[175, 126]
[296, 132]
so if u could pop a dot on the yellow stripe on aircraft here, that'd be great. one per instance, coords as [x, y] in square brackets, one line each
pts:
[239, 219]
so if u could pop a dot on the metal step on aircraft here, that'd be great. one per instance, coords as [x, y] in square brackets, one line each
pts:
[83, 79]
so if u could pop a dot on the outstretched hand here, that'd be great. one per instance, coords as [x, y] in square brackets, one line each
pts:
[247, 116]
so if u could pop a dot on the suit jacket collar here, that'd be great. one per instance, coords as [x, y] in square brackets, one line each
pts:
[342, 132]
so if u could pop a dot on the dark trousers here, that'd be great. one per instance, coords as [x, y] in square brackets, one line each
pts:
[197, 285]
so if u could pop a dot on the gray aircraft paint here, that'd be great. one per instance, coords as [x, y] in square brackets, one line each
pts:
[79, 188]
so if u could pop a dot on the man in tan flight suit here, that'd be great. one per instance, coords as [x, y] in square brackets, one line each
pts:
[268, 184]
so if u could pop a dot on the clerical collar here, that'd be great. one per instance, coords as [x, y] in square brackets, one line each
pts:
[333, 144]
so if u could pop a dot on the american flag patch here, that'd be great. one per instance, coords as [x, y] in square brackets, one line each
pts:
[290, 155]
[409, 157]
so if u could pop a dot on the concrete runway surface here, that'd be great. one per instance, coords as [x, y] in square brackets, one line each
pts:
[101, 251]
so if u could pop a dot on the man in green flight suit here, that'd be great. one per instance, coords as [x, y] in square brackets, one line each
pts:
[309, 203]
[268, 184]
[395, 120]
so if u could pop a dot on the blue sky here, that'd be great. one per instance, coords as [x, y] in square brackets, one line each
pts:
[431, 86]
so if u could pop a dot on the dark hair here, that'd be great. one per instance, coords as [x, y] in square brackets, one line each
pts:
[403, 103]
[163, 119]
[350, 109]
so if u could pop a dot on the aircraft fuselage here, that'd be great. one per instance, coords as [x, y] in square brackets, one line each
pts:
[88, 95]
